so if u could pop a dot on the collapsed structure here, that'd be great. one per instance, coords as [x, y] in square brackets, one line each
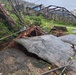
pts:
[56, 13]
[47, 47]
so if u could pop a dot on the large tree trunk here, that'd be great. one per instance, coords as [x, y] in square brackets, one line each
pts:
[10, 23]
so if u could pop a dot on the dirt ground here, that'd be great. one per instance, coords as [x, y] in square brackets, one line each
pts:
[20, 62]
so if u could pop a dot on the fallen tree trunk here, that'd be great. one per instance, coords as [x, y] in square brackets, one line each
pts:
[71, 38]
[49, 48]
[29, 32]
[10, 23]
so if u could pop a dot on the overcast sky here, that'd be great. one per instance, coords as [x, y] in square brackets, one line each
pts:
[69, 4]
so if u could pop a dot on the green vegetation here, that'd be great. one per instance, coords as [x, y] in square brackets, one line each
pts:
[45, 24]
[15, 18]
[3, 30]
[33, 20]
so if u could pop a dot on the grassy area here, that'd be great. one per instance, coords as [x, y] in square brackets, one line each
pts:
[3, 29]
[70, 30]
[33, 20]
[46, 24]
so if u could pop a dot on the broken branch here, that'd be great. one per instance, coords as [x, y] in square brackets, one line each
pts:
[10, 35]
[53, 70]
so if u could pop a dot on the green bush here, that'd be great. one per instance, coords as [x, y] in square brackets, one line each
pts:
[4, 30]
[28, 22]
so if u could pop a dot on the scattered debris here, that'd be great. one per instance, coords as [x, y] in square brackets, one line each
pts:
[29, 32]
[45, 48]
[58, 30]
[64, 29]
[32, 31]
[10, 35]
[53, 70]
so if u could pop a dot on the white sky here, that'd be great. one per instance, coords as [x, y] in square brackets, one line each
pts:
[69, 4]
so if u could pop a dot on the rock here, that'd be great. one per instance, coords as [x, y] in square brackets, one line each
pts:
[71, 38]
[49, 48]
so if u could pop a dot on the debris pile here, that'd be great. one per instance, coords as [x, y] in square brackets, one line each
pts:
[33, 52]
[29, 32]
[50, 48]
[58, 30]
